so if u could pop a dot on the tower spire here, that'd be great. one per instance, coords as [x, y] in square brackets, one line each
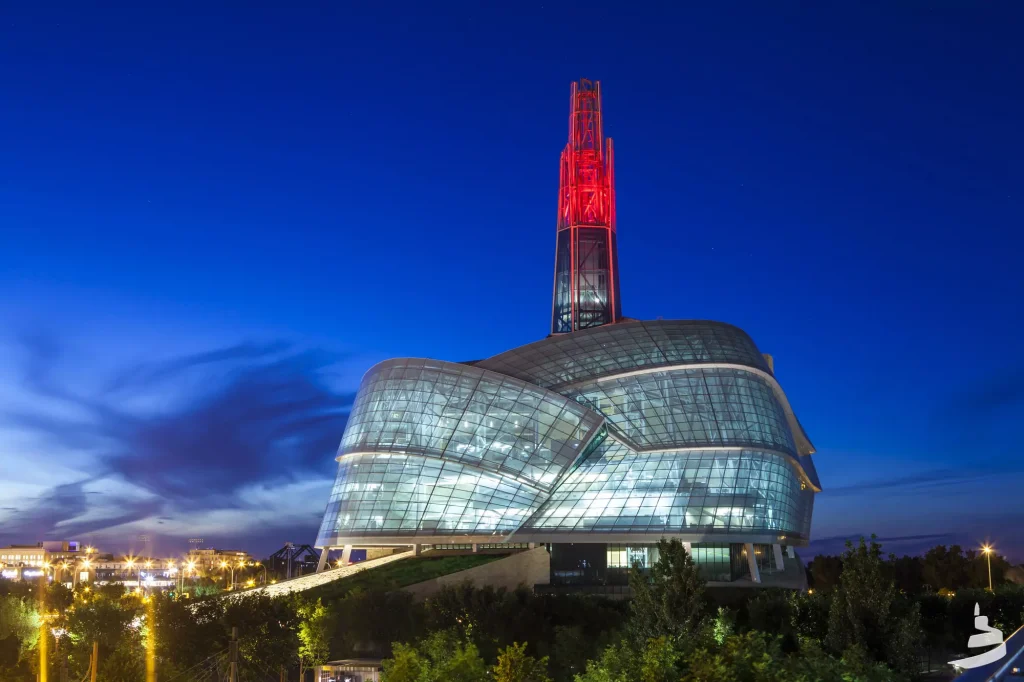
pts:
[586, 292]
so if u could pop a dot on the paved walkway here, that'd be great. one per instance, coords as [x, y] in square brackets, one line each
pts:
[312, 580]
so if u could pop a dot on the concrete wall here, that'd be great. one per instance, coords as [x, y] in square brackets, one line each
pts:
[532, 567]
[378, 552]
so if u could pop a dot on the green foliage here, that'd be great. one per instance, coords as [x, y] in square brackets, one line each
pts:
[187, 632]
[955, 569]
[670, 601]
[811, 613]
[441, 657]
[825, 571]
[724, 625]
[514, 665]
[868, 613]
[774, 612]
[315, 628]
[759, 657]
[655, 661]
[395, 618]
[267, 627]
[19, 633]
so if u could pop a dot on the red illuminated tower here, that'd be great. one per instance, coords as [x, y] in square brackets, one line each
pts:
[586, 259]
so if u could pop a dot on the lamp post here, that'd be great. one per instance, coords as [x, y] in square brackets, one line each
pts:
[191, 568]
[86, 564]
[225, 565]
[172, 568]
[987, 549]
[130, 563]
[259, 564]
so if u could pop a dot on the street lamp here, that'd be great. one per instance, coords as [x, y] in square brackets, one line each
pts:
[130, 563]
[987, 549]
[86, 564]
[225, 565]
[259, 564]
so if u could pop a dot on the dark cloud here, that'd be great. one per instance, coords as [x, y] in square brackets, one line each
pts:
[57, 504]
[270, 421]
[248, 414]
[926, 479]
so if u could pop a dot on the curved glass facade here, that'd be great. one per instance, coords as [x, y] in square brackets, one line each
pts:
[692, 407]
[470, 415]
[618, 491]
[623, 347]
[399, 495]
[600, 435]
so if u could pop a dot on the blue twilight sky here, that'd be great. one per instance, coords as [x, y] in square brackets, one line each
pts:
[213, 220]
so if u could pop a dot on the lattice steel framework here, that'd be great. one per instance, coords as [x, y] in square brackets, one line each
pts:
[586, 289]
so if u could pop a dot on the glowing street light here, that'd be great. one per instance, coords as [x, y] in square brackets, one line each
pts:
[225, 565]
[987, 549]
[86, 564]
[130, 563]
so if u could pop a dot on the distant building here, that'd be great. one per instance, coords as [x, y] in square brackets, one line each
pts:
[209, 562]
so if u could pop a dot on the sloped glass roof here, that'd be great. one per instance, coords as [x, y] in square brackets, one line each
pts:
[623, 347]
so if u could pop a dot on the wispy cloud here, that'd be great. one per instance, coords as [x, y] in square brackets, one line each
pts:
[190, 435]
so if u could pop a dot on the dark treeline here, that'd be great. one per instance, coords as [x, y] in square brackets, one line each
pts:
[940, 568]
[869, 617]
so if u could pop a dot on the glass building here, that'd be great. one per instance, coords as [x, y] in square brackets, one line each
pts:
[613, 437]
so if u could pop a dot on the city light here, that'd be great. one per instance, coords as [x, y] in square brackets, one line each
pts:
[987, 550]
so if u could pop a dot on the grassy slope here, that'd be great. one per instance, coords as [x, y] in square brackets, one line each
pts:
[401, 573]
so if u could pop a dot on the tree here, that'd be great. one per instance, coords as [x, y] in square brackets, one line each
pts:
[314, 635]
[405, 664]
[110, 620]
[442, 657]
[867, 613]
[267, 630]
[825, 571]
[515, 666]
[772, 611]
[670, 602]
[758, 656]
[188, 631]
[19, 632]
[656, 661]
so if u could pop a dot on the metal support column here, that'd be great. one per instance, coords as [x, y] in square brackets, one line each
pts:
[323, 559]
[755, 574]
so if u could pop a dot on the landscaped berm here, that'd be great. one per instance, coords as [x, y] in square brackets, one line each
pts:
[421, 575]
